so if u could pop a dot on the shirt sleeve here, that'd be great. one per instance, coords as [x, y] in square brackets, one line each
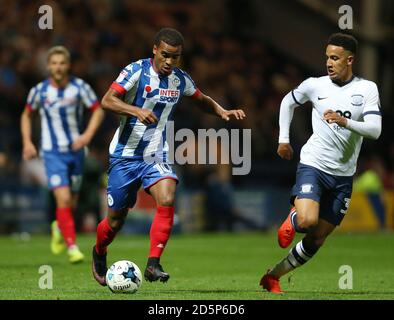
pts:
[33, 99]
[371, 126]
[293, 99]
[286, 113]
[191, 89]
[89, 97]
[372, 102]
[127, 78]
[302, 93]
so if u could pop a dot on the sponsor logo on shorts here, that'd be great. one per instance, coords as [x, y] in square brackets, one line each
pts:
[56, 180]
[110, 200]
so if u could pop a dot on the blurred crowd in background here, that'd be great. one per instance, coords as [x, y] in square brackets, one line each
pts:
[226, 59]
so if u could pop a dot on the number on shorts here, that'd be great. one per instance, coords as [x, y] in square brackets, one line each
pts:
[347, 204]
[163, 168]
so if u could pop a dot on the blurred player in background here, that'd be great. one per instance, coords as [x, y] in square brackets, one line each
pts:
[145, 95]
[60, 100]
[346, 109]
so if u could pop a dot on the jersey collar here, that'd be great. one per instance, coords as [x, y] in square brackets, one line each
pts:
[54, 84]
[157, 71]
[342, 84]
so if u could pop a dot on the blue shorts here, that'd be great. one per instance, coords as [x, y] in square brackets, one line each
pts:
[332, 192]
[125, 177]
[64, 169]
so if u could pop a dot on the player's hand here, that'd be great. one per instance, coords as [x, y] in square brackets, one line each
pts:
[80, 142]
[238, 114]
[146, 116]
[285, 151]
[332, 117]
[29, 151]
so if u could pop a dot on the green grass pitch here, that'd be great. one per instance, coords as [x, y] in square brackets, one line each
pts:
[211, 266]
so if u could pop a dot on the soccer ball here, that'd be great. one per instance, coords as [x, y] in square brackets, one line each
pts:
[124, 277]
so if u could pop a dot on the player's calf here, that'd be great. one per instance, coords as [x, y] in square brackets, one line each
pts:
[303, 223]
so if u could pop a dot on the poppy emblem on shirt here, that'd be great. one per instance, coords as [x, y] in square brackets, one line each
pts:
[148, 89]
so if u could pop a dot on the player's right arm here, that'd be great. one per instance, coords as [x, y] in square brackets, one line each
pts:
[29, 150]
[291, 101]
[112, 101]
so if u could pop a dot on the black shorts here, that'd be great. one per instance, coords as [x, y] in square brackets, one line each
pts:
[332, 192]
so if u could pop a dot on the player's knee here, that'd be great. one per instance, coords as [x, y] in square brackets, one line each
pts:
[116, 223]
[306, 222]
[64, 202]
[166, 200]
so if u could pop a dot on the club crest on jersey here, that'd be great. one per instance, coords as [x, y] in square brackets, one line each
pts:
[306, 188]
[357, 100]
[163, 95]
[176, 81]
[110, 200]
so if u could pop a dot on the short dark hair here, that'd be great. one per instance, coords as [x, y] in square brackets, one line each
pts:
[170, 36]
[344, 40]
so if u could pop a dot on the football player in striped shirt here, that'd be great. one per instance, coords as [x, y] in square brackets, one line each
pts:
[145, 95]
[60, 101]
[346, 109]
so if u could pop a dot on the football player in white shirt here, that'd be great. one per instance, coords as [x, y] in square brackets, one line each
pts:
[346, 109]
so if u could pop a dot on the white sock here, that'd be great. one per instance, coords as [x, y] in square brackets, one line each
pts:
[297, 257]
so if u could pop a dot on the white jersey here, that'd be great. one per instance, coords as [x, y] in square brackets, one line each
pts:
[331, 148]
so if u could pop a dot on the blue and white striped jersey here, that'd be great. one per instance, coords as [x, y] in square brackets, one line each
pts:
[61, 111]
[143, 87]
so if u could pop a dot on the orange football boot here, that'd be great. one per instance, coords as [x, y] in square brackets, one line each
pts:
[286, 231]
[270, 283]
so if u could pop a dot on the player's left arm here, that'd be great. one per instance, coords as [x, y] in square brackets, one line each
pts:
[371, 127]
[91, 102]
[94, 123]
[213, 107]
[207, 103]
